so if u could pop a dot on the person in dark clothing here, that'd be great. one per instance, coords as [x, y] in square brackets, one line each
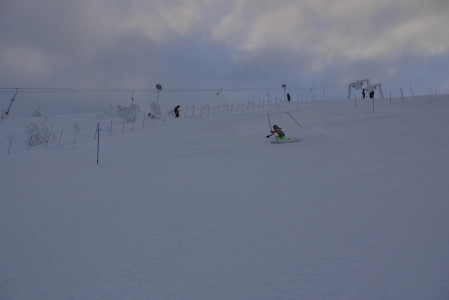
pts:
[363, 94]
[288, 97]
[176, 111]
[371, 94]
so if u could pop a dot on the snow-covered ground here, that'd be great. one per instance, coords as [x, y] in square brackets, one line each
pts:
[208, 208]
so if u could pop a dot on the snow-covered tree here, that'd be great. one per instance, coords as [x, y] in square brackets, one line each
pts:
[128, 113]
[37, 134]
[107, 111]
[37, 113]
[155, 111]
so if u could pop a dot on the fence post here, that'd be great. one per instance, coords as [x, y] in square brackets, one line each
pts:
[76, 131]
[98, 143]
[10, 143]
[60, 136]
[48, 138]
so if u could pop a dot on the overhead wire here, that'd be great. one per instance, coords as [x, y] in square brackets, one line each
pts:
[148, 90]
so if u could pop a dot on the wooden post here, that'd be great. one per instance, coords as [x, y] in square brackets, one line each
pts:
[10, 143]
[76, 131]
[48, 138]
[60, 136]
[98, 143]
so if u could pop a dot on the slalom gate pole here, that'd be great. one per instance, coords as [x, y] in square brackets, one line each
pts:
[269, 123]
[98, 143]
[293, 118]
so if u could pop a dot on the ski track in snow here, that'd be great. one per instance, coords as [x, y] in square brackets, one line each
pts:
[208, 208]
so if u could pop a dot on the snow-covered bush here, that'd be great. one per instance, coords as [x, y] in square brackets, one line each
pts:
[37, 134]
[128, 113]
[155, 111]
[37, 113]
[107, 111]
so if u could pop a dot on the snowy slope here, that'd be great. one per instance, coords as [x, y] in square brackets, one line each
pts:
[207, 208]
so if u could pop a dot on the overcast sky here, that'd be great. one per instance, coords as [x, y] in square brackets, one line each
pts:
[202, 44]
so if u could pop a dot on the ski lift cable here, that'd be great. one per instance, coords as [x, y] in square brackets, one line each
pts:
[152, 90]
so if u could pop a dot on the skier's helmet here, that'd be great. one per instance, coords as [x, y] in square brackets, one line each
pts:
[275, 127]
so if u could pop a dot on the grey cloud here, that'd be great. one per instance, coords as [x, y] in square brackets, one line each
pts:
[213, 44]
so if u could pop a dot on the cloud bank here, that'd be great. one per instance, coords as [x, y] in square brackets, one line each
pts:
[213, 44]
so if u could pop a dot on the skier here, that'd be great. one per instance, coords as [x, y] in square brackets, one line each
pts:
[278, 131]
[371, 94]
[176, 111]
[363, 93]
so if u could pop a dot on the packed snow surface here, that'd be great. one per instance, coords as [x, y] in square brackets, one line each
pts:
[207, 208]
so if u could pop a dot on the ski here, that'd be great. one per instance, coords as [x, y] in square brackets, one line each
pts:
[285, 141]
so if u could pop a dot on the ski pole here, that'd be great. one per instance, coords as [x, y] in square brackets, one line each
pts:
[271, 129]
[293, 118]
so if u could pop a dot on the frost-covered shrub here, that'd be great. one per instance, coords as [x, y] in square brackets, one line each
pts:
[37, 113]
[107, 111]
[37, 134]
[155, 111]
[129, 114]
